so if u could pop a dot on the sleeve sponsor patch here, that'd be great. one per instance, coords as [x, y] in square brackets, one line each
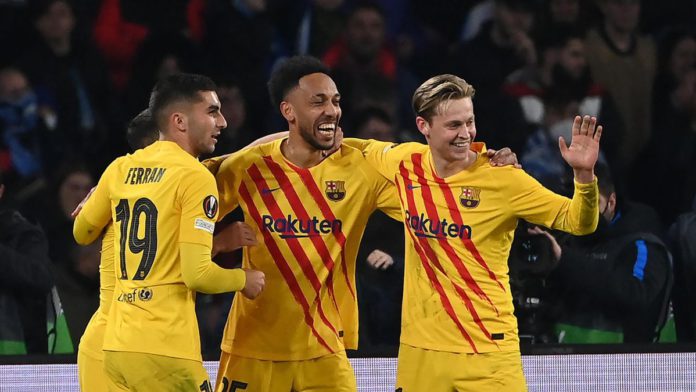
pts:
[202, 224]
[210, 206]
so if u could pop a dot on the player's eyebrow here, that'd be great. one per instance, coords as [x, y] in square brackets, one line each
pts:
[214, 107]
[325, 96]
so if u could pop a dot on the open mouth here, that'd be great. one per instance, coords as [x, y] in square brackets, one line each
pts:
[326, 129]
[460, 143]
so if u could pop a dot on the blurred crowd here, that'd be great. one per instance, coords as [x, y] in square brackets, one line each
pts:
[74, 72]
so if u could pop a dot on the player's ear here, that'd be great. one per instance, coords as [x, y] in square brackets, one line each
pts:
[423, 126]
[287, 111]
[179, 120]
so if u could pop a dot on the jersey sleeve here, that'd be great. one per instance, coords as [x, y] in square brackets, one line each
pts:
[107, 275]
[529, 200]
[199, 208]
[385, 157]
[201, 274]
[228, 178]
[387, 199]
[96, 213]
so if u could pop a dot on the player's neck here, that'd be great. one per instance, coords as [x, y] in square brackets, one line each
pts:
[445, 168]
[299, 152]
[181, 142]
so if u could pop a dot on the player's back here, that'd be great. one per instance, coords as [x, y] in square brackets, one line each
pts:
[153, 310]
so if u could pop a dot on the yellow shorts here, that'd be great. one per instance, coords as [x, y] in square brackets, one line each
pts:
[91, 373]
[330, 373]
[440, 371]
[128, 371]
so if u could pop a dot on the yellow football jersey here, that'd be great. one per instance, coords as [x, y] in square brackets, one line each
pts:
[158, 197]
[310, 222]
[458, 236]
[93, 338]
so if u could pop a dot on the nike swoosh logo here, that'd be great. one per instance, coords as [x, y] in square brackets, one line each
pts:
[412, 187]
[267, 191]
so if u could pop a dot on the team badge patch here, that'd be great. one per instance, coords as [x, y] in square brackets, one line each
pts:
[210, 206]
[335, 190]
[470, 197]
[145, 294]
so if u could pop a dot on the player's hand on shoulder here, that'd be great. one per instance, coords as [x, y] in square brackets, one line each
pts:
[255, 282]
[503, 157]
[338, 140]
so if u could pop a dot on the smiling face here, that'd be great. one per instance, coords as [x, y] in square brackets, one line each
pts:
[451, 130]
[313, 110]
[204, 123]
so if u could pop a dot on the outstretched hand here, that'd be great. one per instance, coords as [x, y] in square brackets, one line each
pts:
[584, 146]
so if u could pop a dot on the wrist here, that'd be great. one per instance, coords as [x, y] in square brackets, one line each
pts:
[583, 176]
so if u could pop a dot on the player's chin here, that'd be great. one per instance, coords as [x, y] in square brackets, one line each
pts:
[325, 143]
[209, 148]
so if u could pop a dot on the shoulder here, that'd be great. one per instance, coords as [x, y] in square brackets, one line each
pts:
[239, 160]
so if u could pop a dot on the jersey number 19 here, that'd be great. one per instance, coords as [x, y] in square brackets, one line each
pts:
[146, 245]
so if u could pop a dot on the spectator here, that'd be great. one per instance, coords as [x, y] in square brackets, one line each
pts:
[380, 262]
[670, 156]
[24, 138]
[70, 75]
[238, 43]
[623, 61]
[311, 27]
[503, 45]
[25, 283]
[681, 235]
[367, 69]
[614, 285]
[76, 268]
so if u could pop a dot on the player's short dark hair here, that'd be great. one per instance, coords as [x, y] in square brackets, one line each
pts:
[142, 130]
[286, 75]
[181, 87]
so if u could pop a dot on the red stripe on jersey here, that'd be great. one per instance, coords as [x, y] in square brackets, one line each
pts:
[451, 254]
[314, 190]
[282, 264]
[458, 264]
[301, 212]
[293, 243]
[457, 218]
[425, 252]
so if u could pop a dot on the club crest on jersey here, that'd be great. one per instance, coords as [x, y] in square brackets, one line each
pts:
[335, 190]
[210, 206]
[470, 197]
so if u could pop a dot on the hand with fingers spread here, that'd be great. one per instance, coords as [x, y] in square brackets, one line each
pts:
[502, 157]
[380, 260]
[82, 203]
[233, 237]
[584, 147]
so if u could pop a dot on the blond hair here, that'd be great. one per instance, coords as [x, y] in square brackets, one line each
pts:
[430, 96]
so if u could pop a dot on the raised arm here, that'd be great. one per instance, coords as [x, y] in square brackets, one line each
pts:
[584, 148]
